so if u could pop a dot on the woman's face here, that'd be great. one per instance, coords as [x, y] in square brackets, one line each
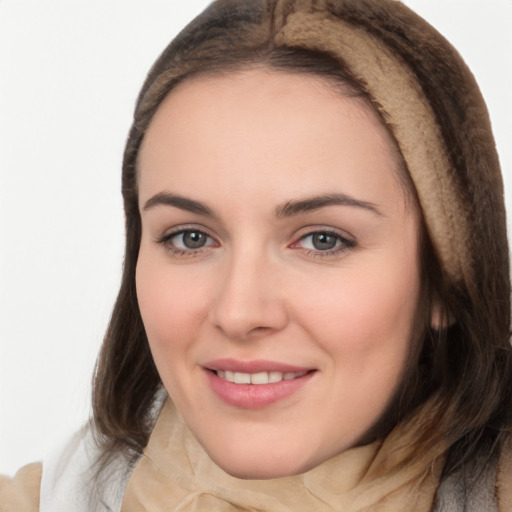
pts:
[278, 274]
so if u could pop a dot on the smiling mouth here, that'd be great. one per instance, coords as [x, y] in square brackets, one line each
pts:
[255, 384]
[259, 378]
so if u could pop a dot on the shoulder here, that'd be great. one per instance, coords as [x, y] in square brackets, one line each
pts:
[67, 480]
[482, 484]
[504, 477]
[21, 493]
[70, 481]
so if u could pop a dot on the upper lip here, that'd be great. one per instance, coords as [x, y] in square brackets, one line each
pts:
[254, 366]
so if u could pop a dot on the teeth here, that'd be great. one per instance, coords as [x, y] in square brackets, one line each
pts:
[275, 377]
[242, 378]
[257, 378]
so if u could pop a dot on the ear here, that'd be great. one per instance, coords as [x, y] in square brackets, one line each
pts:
[441, 317]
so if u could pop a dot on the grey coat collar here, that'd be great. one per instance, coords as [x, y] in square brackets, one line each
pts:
[470, 489]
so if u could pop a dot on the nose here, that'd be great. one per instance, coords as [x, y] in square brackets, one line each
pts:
[250, 302]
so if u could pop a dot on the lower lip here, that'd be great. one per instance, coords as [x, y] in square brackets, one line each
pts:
[255, 396]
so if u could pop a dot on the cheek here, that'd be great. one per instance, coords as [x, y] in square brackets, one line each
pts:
[365, 326]
[172, 306]
[171, 302]
[364, 316]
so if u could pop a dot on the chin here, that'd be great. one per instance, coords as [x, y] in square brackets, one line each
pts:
[269, 468]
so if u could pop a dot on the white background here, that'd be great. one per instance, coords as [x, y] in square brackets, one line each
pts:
[70, 71]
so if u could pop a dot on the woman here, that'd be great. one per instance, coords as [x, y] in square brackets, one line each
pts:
[316, 274]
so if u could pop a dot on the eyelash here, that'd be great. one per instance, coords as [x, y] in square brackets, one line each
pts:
[166, 241]
[342, 243]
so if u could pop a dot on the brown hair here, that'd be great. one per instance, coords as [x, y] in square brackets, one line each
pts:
[460, 377]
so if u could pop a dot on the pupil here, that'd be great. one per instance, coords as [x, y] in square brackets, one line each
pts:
[194, 239]
[324, 241]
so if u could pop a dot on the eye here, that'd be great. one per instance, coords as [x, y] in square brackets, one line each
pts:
[190, 239]
[186, 241]
[323, 243]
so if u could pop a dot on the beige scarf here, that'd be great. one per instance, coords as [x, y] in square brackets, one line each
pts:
[175, 473]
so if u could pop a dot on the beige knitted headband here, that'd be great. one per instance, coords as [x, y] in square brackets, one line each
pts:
[392, 85]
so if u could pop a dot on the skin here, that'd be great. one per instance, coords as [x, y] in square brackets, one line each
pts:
[261, 287]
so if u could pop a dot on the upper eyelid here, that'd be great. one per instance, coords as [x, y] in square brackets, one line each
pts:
[344, 240]
[311, 230]
[169, 233]
[175, 250]
[347, 240]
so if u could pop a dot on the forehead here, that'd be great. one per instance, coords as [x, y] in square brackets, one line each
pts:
[294, 94]
[289, 129]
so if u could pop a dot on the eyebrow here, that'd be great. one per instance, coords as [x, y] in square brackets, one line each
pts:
[183, 203]
[287, 209]
[291, 208]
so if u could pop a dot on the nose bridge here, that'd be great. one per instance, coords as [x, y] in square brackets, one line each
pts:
[248, 300]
